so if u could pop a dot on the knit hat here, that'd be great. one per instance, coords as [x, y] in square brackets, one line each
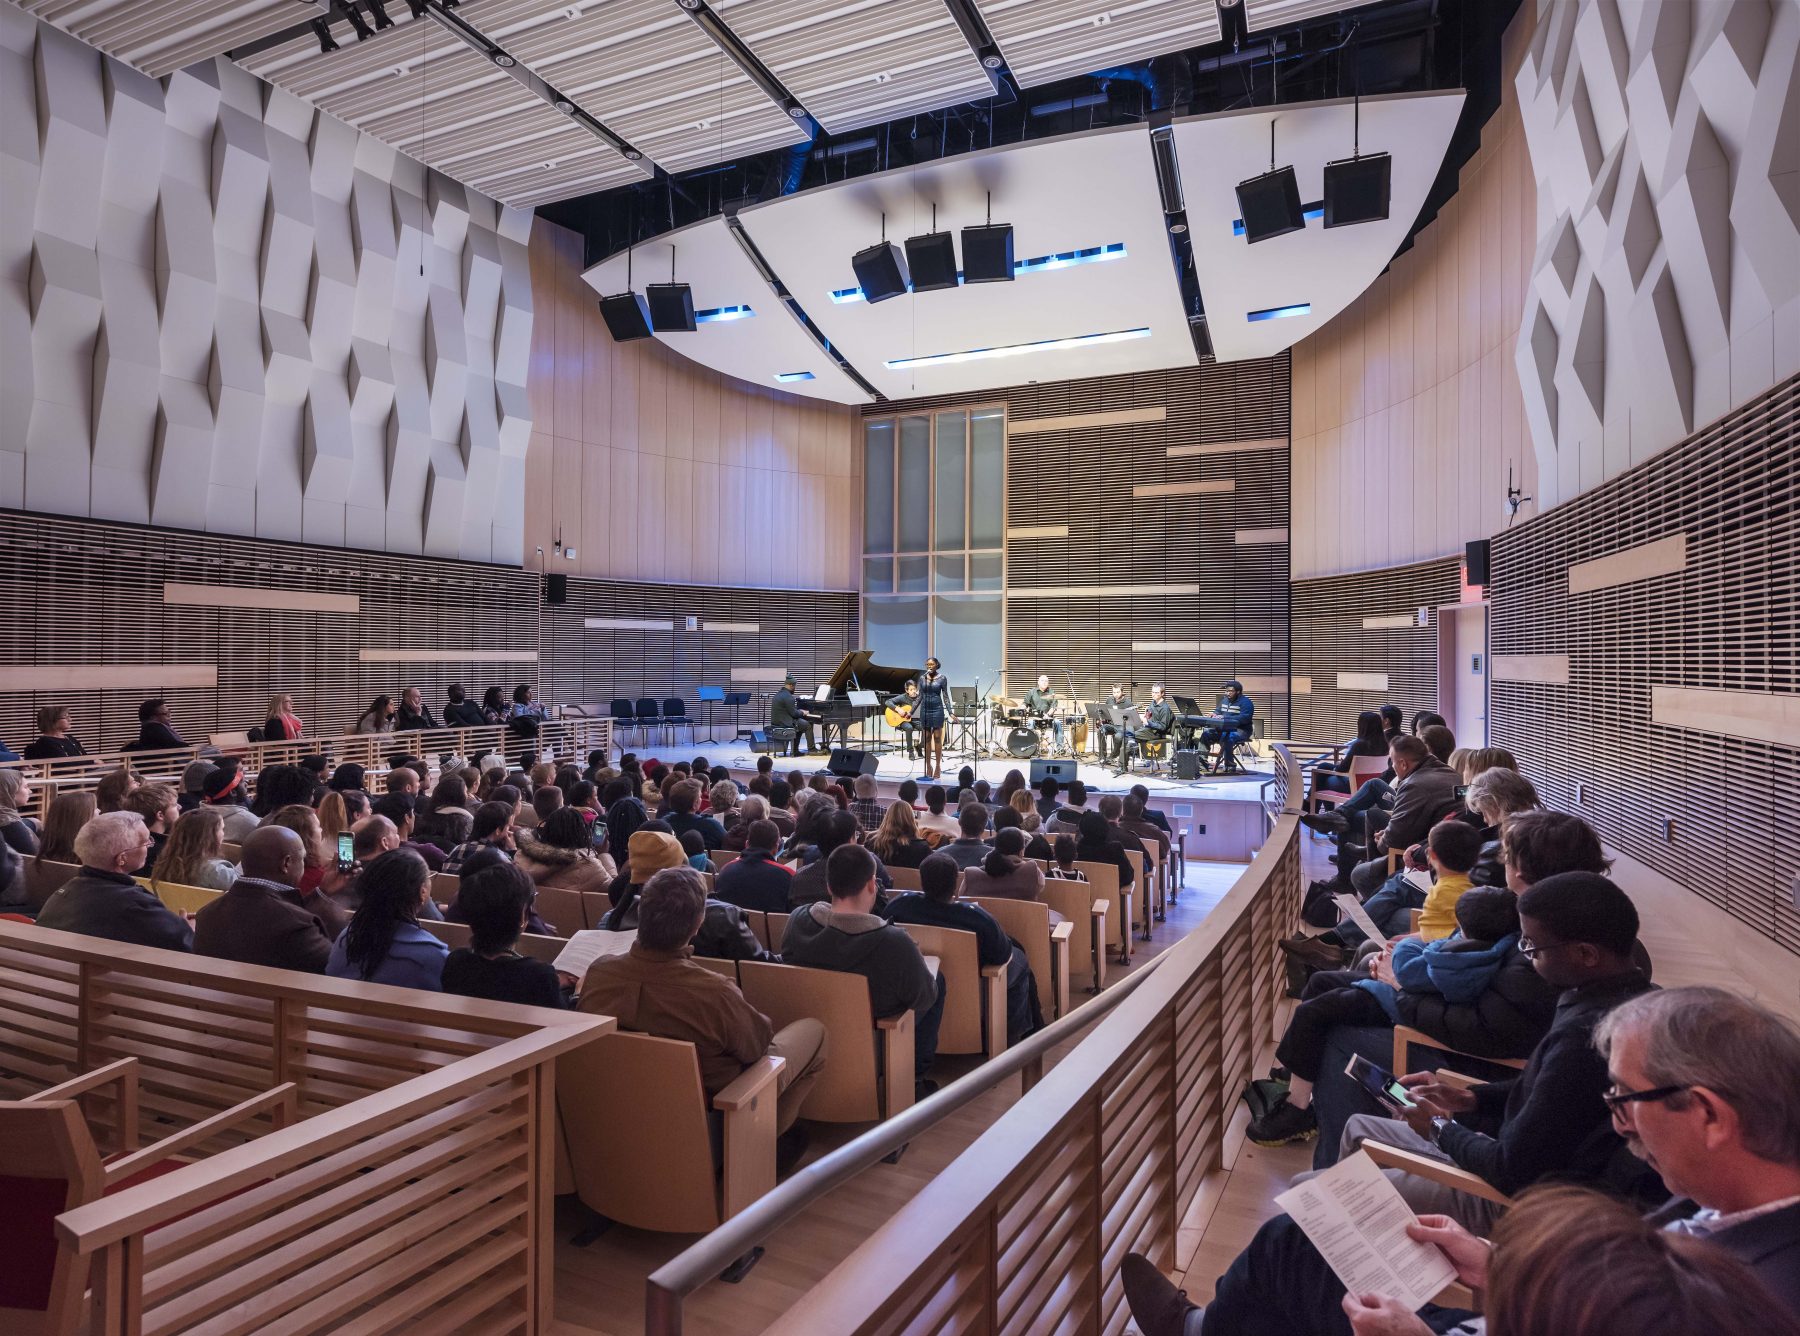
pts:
[193, 779]
[223, 780]
[653, 850]
[493, 761]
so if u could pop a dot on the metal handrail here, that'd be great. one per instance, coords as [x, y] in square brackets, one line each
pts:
[687, 1271]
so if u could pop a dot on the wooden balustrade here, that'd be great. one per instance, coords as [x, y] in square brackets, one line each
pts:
[412, 1191]
[571, 738]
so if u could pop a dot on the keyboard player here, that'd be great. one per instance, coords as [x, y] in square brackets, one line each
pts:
[1232, 726]
[789, 723]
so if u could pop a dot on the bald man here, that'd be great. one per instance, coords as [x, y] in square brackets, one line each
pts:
[374, 835]
[262, 919]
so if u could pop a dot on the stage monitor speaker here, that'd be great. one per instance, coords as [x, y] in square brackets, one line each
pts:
[1186, 765]
[1475, 556]
[758, 740]
[849, 763]
[1357, 189]
[556, 589]
[627, 316]
[880, 271]
[1270, 205]
[1063, 772]
[932, 261]
[987, 253]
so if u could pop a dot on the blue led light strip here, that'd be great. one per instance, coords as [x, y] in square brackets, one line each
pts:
[1280, 312]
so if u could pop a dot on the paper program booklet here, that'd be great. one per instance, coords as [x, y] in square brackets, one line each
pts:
[588, 945]
[1357, 1220]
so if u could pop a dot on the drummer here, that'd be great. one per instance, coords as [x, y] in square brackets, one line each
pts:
[1040, 703]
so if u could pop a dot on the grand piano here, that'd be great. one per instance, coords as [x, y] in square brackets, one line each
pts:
[856, 673]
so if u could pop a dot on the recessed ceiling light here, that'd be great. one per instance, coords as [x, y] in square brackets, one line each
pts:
[798, 113]
[632, 155]
[689, 4]
[503, 60]
[992, 60]
[1178, 227]
[565, 106]
[1018, 349]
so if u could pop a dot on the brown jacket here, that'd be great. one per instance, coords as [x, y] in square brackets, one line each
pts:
[1024, 882]
[1147, 831]
[664, 993]
[262, 923]
[562, 869]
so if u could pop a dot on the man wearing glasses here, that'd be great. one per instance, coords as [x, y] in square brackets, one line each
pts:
[1551, 1120]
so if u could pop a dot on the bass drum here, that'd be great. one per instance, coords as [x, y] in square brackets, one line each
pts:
[1022, 743]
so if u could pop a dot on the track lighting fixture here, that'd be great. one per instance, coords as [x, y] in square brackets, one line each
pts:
[363, 31]
[379, 10]
[322, 30]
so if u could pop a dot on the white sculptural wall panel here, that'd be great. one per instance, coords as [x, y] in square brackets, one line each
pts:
[1665, 138]
[223, 310]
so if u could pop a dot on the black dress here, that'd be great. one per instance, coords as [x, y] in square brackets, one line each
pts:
[510, 978]
[930, 713]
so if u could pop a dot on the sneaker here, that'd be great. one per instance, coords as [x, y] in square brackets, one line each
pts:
[1285, 1124]
[1157, 1306]
[1326, 823]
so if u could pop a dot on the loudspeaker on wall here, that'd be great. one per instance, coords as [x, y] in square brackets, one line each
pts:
[1475, 557]
[1063, 772]
[556, 589]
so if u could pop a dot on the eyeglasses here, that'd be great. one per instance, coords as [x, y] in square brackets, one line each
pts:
[1617, 1099]
[1530, 949]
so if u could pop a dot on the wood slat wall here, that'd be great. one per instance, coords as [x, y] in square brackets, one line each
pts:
[77, 591]
[1330, 638]
[1730, 621]
[1082, 475]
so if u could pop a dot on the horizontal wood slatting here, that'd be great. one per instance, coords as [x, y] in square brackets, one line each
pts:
[1330, 638]
[1083, 476]
[1046, 1265]
[1729, 621]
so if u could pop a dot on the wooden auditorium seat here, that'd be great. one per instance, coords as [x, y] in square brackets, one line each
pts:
[905, 878]
[533, 944]
[1027, 922]
[869, 1074]
[669, 1182]
[1086, 914]
[44, 878]
[974, 1018]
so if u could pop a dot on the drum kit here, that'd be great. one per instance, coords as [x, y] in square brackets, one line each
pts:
[1018, 734]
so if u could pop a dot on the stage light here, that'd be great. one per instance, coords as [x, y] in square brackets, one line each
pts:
[931, 259]
[363, 31]
[1357, 189]
[379, 10]
[880, 269]
[322, 30]
[1017, 349]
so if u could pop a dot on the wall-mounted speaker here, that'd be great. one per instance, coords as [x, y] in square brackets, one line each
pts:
[932, 260]
[556, 589]
[671, 308]
[627, 316]
[1475, 556]
[988, 253]
[880, 270]
[849, 762]
[1063, 772]
[1270, 205]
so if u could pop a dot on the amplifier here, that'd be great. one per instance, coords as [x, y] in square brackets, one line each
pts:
[849, 762]
[1186, 765]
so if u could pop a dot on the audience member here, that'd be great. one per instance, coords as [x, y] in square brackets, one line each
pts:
[492, 826]
[54, 739]
[560, 854]
[374, 836]
[413, 714]
[1094, 843]
[1049, 798]
[1134, 819]
[1006, 873]
[1067, 818]
[193, 782]
[102, 900]
[1112, 810]
[18, 831]
[346, 777]
[114, 787]
[724, 933]
[969, 847]
[866, 807]
[319, 856]
[754, 880]
[282, 725]
[494, 708]
[401, 810]
[1451, 849]
[683, 799]
[694, 846]
[154, 730]
[193, 855]
[261, 918]
[656, 989]
[1333, 776]
[384, 942]
[936, 905]
[279, 786]
[1063, 854]
[402, 779]
[156, 805]
[335, 817]
[67, 814]
[448, 819]
[936, 821]
[495, 901]
[896, 840]
[378, 718]
[781, 798]
[811, 884]
[1151, 814]
[547, 801]
[1027, 824]
[847, 934]
[459, 710]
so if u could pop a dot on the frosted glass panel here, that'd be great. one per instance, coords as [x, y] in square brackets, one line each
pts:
[915, 575]
[966, 635]
[878, 487]
[952, 465]
[984, 570]
[915, 484]
[949, 573]
[895, 631]
[987, 449]
[878, 575]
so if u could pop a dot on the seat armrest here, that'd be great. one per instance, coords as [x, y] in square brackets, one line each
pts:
[123, 1072]
[895, 1037]
[1062, 932]
[901, 1020]
[1099, 909]
[755, 1079]
[1422, 1166]
[993, 971]
[1456, 1080]
[280, 1101]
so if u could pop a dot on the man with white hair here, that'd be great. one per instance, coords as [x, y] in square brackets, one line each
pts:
[103, 901]
[865, 806]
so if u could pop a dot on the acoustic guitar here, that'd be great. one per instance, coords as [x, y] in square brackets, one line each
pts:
[896, 717]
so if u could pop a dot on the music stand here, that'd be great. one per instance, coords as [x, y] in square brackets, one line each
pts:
[737, 700]
[865, 700]
[964, 714]
[711, 696]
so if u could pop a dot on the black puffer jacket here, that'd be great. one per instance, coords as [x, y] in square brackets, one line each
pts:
[1506, 1021]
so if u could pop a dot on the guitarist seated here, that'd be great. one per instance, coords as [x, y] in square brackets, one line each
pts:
[899, 710]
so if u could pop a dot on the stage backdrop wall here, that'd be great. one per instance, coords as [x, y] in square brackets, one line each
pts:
[91, 622]
[1646, 660]
[1140, 533]
[222, 310]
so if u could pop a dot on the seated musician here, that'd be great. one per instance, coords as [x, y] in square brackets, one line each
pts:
[1112, 738]
[788, 722]
[902, 707]
[1158, 719]
[1040, 703]
[1234, 728]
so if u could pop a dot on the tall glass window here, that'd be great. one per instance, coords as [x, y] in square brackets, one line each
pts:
[933, 523]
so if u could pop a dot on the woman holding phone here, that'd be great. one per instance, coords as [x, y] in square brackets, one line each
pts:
[931, 713]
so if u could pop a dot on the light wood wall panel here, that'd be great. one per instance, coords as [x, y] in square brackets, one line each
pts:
[655, 468]
[1407, 407]
[1681, 702]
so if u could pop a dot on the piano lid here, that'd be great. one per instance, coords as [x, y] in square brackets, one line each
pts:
[868, 675]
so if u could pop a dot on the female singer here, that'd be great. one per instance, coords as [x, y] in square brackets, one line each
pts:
[930, 714]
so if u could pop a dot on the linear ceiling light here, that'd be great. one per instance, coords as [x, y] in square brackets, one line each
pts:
[786, 377]
[714, 315]
[1280, 312]
[1018, 349]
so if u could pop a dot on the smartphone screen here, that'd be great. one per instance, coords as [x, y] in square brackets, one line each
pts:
[1378, 1081]
[346, 851]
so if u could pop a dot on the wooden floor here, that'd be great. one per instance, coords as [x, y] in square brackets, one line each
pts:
[600, 1288]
